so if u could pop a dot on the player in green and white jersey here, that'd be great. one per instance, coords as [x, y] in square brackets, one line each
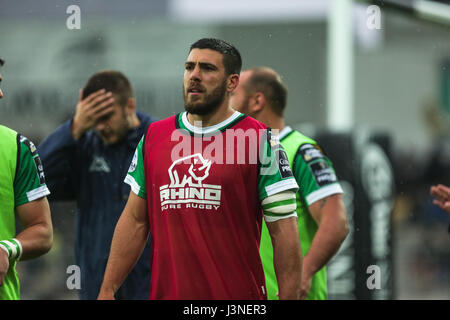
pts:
[23, 192]
[322, 223]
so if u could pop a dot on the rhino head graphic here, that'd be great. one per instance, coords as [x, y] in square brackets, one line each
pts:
[197, 170]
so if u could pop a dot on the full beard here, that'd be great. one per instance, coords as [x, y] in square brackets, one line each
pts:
[211, 104]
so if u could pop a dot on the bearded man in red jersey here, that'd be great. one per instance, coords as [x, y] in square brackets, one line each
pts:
[198, 188]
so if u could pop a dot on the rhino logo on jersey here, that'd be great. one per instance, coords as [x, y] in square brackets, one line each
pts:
[198, 171]
[186, 189]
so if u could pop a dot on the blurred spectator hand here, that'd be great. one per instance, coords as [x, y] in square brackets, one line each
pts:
[441, 194]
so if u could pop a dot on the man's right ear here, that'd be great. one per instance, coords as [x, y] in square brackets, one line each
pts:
[232, 82]
[257, 102]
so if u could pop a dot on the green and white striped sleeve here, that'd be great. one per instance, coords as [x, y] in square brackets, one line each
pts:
[315, 172]
[276, 184]
[279, 206]
[136, 173]
[29, 182]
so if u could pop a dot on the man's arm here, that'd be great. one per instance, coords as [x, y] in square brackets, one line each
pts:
[287, 258]
[329, 214]
[277, 189]
[36, 238]
[130, 237]
[37, 235]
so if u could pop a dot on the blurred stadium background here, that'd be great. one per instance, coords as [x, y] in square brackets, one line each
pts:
[377, 99]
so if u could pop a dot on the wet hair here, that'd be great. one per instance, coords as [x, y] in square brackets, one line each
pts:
[2, 62]
[110, 80]
[231, 57]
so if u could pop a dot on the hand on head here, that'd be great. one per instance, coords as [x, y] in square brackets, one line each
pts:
[441, 194]
[90, 109]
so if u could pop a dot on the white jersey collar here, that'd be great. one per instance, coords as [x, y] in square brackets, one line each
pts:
[206, 130]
